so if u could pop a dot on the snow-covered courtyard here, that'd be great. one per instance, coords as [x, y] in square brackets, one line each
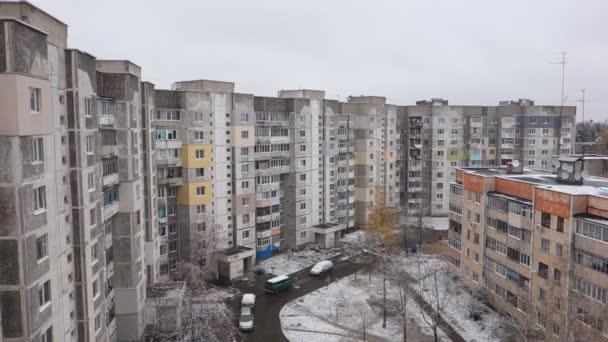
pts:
[290, 262]
[344, 309]
[339, 312]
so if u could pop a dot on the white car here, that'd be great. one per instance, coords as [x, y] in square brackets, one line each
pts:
[248, 300]
[321, 266]
[246, 319]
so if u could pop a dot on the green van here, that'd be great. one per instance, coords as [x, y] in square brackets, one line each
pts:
[278, 284]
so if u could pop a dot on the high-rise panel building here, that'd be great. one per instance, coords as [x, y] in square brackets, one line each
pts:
[442, 137]
[536, 241]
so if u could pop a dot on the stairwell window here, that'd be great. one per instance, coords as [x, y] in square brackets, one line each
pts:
[200, 191]
[37, 150]
[39, 200]
[200, 154]
[35, 100]
[42, 247]
[90, 144]
[44, 295]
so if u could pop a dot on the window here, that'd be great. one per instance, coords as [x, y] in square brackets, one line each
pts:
[200, 154]
[90, 144]
[171, 192]
[557, 275]
[91, 180]
[98, 322]
[95, 288]
[245, 168]
[245, 234]
[302, 178]
[245, 201]
[591, 290]
[92, 216]
[542, 295]
[524, 259]
[37, 150]
[173, 228]
[245, 151]
[560, 224]
[245, 117]
[302, 148]
[545, 220]
[302, 206]
[246, 218]
[44, 294]
[557, 302]
[200, 191]
[35, 99]
[302, 133]
[39, 199]
[545, 245]
[558, 249]
[199, 136]
[303, 235]
[172, 246]
[198, 116]
[201, 227]
[303, 220]
[540, 317]
[555, 328]
[592, 230]
[244, 134]
[42, 246]
[200, 172]
[47, 336]
[200, 209]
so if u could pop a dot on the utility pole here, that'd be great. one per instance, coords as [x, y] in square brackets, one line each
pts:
[583, 102]
[563, 62]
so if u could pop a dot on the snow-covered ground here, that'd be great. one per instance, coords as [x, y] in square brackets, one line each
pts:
[436, 223]
[340, 311]
[290, 262]
[336, 312]
[456, 313]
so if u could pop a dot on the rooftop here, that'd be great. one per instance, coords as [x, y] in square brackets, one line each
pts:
[547, 180]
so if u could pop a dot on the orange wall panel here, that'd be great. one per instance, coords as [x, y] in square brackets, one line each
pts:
[473, 182]
[598, 206]
[459, 176]
[514, 188]
[552, 202]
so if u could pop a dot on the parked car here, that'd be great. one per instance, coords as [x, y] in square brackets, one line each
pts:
[321, 267]
[246, 319]
[248, 300]
[278, 284]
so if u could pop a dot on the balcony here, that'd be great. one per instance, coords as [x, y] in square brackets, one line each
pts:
[110, 210]
[110, 179]
[171, 181]
[106, 120]
[109, 150]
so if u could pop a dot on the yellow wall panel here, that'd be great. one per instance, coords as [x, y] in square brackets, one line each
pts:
[186, 193]
[189, 160]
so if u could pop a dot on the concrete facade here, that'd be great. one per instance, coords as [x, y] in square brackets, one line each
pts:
[443, 136]
[537, 242]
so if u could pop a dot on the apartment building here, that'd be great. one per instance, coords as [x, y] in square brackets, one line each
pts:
[73, 191]
[36, 272]
[443, 137]
[537, 241]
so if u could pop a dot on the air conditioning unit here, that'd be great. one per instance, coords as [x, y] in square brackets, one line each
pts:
[540, 226]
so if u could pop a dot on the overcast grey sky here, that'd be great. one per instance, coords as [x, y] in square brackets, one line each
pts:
[469, 52]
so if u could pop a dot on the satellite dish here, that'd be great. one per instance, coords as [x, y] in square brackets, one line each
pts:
[565, 175]
[515, 163]
[578, 176]
[556, 163]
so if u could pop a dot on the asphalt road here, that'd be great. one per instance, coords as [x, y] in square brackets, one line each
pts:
[267, 307]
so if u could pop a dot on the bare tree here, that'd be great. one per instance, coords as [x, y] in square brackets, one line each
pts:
[400, 280]
[436, 289]
[204, 314]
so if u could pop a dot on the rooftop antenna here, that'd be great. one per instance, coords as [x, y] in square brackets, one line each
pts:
[563, 62]
[582, 100]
